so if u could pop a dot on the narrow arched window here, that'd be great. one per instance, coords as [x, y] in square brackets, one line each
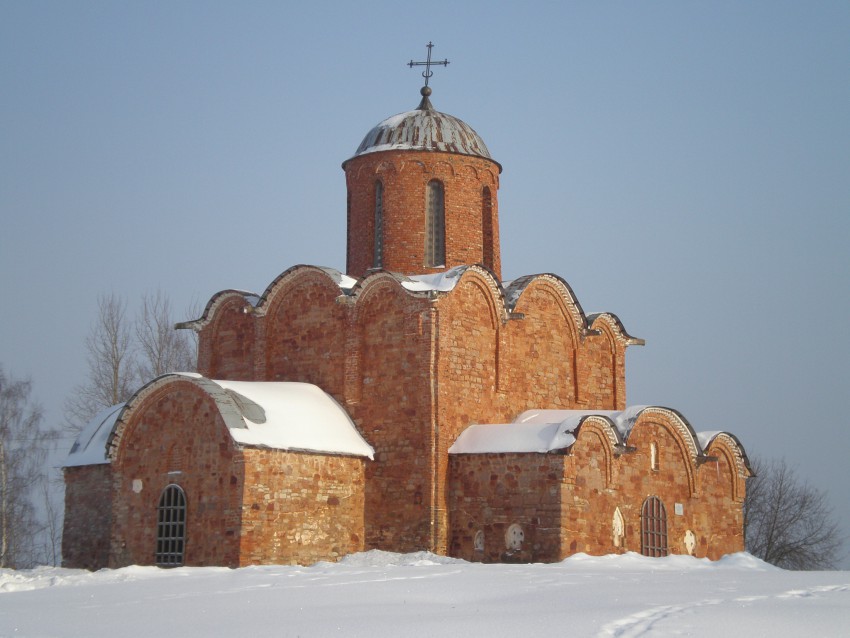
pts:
[487, 227]
[171, 527]
[378, 258]
[653, 528]
[435, 225]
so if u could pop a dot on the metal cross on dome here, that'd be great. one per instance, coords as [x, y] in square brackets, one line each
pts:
[427, 73]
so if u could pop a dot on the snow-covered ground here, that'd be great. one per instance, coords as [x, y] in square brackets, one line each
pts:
[379, 594]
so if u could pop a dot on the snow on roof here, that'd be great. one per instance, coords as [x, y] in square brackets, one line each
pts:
[705, 438]
[440, 282]
[513, 437]
[279, 415]
[537, 431]
[293, 416]
[90, 446]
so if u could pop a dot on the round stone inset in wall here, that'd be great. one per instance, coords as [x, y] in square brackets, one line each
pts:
[514, 536]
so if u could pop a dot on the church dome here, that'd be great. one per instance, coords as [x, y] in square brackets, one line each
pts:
[424, 129]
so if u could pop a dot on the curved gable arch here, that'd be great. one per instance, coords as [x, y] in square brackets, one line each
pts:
[681, 432]
[304, 329]
[561, 290]
[485, 283]
[157, 389]
[295, 276]
[226, 342]
[602, 432]
[730, 448]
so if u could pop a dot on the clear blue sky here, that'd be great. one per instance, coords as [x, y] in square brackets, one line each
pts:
[685, 165]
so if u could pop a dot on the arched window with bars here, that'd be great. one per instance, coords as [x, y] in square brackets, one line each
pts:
[171, 527]
[653, 528]
[435, 225]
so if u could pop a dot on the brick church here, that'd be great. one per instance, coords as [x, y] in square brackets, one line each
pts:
[414, 402]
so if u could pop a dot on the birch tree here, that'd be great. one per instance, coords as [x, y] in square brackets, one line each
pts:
[161, 348]
[112, 370]
[24, 444]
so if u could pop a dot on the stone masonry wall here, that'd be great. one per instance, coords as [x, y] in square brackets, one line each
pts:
[88, 517]
[300, 508]
[490, 492]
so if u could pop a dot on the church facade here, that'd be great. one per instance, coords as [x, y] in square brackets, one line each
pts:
[415, 402]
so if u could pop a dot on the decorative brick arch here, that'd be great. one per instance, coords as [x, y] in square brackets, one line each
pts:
[560, 288]
[602, 431]
[552, 328]
[681, 432]
[613, 323]
[294, 276]
[304, 329]
[490, 290]
[730, 448]
[157, 389]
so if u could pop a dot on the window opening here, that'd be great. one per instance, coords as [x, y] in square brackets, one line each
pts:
[171, 527]
[378, 259]
[487, 227]
[653, 528]
[435, 225]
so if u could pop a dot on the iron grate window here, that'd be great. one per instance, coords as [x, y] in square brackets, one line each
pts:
[653, 528]
[171, 527]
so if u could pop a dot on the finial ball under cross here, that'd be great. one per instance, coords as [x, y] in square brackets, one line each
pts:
[427, 73]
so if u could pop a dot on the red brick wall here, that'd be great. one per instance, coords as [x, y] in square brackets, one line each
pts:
[566, 504]
[392, 408]
[226, 346]
[88, 517]
[300, 508]
[543, 351]
[304, 330]
[414, 372]
[176, 435]
[489, 492]
[244, 506]
[405, 175]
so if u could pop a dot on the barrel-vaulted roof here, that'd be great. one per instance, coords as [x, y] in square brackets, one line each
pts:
[272, 414]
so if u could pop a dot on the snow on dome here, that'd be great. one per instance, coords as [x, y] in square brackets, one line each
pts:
[90, 446]
[423, 130]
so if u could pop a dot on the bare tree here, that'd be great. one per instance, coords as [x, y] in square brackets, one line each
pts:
[24, 444]
[161, 348]
[112, 365]
[787, 522]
